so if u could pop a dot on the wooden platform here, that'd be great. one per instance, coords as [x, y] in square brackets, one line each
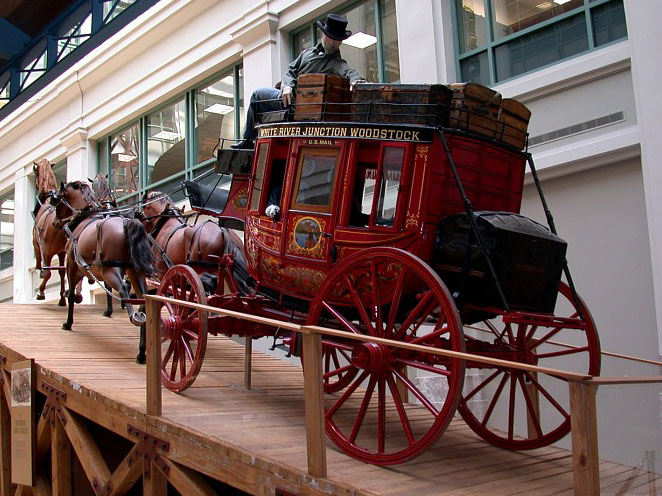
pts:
[254, 440]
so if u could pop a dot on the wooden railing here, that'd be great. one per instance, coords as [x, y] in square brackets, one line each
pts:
[582, 387]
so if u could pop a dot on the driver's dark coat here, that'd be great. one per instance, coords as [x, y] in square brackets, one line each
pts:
[316, 60]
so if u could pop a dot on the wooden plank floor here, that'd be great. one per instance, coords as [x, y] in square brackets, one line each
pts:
[268, 421]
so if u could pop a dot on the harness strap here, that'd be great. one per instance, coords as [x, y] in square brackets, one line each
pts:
[196, 238]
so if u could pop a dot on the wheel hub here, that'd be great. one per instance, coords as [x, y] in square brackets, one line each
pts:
[171, 325]
[372, 357]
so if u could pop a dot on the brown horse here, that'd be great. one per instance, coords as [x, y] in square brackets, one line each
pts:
[176, 242]
[46, 239]
[103, 247]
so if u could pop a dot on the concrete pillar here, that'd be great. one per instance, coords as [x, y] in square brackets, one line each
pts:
[258, 35]
[24, 194]
[425, 41]
[645, 39]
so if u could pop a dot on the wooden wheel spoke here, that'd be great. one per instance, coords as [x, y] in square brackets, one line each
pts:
[365, 318]
[336, 314]
[495, 398]
[337, 345]
[399, 405]
[190, 334]
[430, 335]
[511, 405]
[480, 386]
[338, 371]
[187, 349]
[182, 360]
[533, 415]
[421, 397]
[545, 338]
[547, 395]
[175, 359]
[395, 302]
[376, 299]
[365, 402]
[529, 335]
[381, 415]
[414, 315]
[168, 354]
[564, 352]
[423, 366]
[348, 392]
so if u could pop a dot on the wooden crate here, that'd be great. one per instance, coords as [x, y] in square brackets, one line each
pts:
[475, 108]
[514, 119]
[426, 104]
[321, 97]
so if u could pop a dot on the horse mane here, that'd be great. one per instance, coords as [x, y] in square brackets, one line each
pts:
[45, 177]
[101, 188]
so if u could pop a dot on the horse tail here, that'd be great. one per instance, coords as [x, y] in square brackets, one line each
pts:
[140, 252]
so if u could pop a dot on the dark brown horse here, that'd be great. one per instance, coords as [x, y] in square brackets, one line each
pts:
[103, 247]
[46, 239]
[176, 242]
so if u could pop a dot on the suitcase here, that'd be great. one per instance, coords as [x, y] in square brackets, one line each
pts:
[321, 97]
[425, 104]
[527, 258]
[514, 119]
[475, 108]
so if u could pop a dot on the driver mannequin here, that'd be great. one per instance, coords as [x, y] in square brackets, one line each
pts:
[324, 58]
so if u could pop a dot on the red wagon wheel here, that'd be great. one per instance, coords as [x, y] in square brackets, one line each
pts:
[391, 403]
[183, 329]
[520, 410]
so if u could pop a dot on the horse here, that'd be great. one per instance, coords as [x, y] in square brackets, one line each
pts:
[46, 239]
[175, 242]
[103, 247]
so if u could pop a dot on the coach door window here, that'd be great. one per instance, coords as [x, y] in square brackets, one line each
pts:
[315, 180]
[258, 179]
[389, 185]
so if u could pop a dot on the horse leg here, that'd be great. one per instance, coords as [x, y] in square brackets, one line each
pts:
[62, 273]
[138, 282]
[73, 277]
[109, 301]
[42, 286]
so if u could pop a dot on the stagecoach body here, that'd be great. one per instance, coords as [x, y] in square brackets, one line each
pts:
[408, 231]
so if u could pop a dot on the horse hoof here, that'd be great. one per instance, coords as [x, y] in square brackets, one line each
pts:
[66, 327]
[62, 302]
[138, 318]
[107, 313]
[41, 297]
[78, 298]
[141, 359]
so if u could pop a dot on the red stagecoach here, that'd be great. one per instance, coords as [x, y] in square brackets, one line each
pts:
[399, 218]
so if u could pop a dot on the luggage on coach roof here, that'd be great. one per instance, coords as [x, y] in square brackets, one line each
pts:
[321, 97]
[475, 108]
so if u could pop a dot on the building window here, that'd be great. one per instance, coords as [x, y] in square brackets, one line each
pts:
[502, 39]
[176, 141]
[373, 47]
[6, 231]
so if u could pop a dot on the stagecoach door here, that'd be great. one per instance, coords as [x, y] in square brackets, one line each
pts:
[311, 213]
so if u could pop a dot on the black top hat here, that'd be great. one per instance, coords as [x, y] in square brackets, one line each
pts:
[335, 26]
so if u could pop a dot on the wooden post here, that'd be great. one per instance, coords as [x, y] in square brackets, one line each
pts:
[585, 460]
[156, 483]
[532, 391]
[314, 401]
[248, 361]
[153, 368]
[60, 460]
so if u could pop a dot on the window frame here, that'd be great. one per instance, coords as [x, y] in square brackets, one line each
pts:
[302, 152]
[378, 29]
[492, 44]
[192, 169]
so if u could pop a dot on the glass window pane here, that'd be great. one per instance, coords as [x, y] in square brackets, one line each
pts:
[545, 46]
[476, 69]
[124, 162]
[389, 41]
[215, 114]
[301, 40]
[471, 22]
[511, 16]
[316, 179]
[360, 49]
[609, 23]
[7, 231]
[256, 192]
[166, 151]
[390, 182]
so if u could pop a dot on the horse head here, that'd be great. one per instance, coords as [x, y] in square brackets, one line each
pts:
[44, 176]
[71, 200]
[101, 189]
[154, 205]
